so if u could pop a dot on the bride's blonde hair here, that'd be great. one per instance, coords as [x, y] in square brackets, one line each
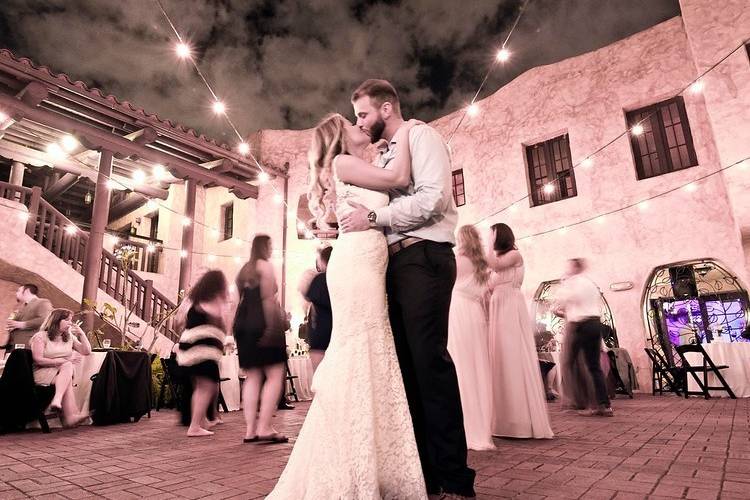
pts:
[328, 141]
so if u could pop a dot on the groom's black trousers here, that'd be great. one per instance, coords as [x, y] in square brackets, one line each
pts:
[419, 283]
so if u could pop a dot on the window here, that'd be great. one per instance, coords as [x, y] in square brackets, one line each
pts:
[459, 195]
[551, 175]
[665, 145]
[227, 220]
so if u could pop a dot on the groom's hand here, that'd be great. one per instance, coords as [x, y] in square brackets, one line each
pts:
[356, 220]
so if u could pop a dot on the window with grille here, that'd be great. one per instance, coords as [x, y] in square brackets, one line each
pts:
[227, 220]
[459, 194]
[550, 168]
[665, 143]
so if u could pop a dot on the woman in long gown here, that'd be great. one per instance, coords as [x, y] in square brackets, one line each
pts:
[468, 340]
[519, 403]
[357, 440]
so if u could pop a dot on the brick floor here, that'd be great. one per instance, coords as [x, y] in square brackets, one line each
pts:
[662, 447]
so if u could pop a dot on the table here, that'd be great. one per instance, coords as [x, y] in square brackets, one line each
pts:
[736, 355]
[301, 366]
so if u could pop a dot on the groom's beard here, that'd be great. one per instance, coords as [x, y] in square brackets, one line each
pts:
[376, 131]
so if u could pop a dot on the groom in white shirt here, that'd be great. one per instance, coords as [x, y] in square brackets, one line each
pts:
[419, 223]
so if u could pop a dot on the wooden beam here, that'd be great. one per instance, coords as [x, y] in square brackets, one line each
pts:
[33, 94]
[101, 139]
[65, 182]
[131, 202]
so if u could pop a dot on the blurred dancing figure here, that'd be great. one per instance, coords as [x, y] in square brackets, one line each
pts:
[321, 317]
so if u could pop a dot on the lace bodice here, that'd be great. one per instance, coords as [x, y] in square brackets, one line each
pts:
[346, 193]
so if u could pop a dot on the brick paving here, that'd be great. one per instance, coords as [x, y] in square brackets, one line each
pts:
[655, 447]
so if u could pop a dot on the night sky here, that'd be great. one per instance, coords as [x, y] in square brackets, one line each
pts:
[286, 63]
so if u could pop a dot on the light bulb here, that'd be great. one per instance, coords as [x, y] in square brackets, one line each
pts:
[111, 184]
[183, 50]
[549, 188]
[3, 117]
[151, 205]
[186, 221]
[70, 229]
[237, 260]
[215, 233]
[150, 247]
[692, 187]
[278, 199]
[219, 107]
[69, 143]
[503, 55]
[301, 226]
[637, 129]
[643, 206]
[587, 162]
[183, 253]
[243, 148]
[159, 172]
[697, 87]
[472, 110]
[263, 177]
[238, 242]
[55, 151]
[139, 177]
[211, 257]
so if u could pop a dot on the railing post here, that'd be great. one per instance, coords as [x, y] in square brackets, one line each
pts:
[36, 195]
[148, 301]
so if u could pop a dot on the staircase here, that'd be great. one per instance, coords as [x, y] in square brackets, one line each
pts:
[59, 235]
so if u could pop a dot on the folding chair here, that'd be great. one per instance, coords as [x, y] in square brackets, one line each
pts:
[290, 378]
[662, 374]
[706, 367]
[620, 386]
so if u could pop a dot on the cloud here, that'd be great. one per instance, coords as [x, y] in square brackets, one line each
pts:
[284, 64]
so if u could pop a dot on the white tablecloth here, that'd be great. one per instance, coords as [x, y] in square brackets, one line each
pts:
[736, 356]
[301, 366]
[88, 366]
[229, 367]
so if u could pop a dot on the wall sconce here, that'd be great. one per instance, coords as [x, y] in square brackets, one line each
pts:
[621, 286]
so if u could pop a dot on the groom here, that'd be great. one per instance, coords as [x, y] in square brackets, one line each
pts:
[419, 222]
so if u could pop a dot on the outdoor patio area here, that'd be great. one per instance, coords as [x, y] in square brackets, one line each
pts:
[654, 447]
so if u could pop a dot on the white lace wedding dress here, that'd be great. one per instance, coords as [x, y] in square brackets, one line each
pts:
[357, 441]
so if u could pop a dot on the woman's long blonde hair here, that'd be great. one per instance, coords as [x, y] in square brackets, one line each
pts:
[470, 245]
[328, 141]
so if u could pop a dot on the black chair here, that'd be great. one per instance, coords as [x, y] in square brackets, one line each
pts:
[220, 402]
[620, 387]
[169, 382]
[290, 378]
[664, 375]
[706, 367]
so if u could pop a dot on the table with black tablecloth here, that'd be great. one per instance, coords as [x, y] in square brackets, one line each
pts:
[121, 390]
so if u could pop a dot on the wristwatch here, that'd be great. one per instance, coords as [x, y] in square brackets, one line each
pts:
[372, 217]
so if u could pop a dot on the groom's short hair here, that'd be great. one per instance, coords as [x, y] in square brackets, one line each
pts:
[379, 91]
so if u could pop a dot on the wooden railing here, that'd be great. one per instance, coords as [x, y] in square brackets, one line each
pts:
[147, 255]
[58, 234]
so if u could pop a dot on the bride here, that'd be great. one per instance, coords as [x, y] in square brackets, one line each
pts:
[357, 441]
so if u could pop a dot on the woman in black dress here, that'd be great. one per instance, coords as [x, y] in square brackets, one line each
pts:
[202, 345]
[321, 319]
[259, 327]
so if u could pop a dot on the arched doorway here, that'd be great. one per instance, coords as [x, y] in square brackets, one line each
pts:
[549, 328]
[697, 301]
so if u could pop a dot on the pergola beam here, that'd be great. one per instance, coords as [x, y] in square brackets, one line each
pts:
[95, 138]
[57, 189]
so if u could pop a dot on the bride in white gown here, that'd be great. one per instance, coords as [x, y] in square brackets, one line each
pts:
[357, 441]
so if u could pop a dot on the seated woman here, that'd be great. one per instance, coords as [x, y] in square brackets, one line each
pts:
[52, 350]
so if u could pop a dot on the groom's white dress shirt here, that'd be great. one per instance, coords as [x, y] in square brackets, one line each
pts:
[425, 209]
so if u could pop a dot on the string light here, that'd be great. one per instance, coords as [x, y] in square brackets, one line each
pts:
[70, 229]
[55, 151]
[150, 248]
[503, 55]
[151, 205]
[114, 239]
[215, 233]
[139, 177]
[472, 110]
[243, 148]
[211, 257]
[691, 188]
[278, 199]
[159, 172]
[637, 129]
[263, 177]
[237, 260]
[587, 162]
[183, 50]
[111, 184]
[3, 116]
[183, 253]
[69, 143]
[643, 206]
[697, 87]
[549, 188]
[301, 226]
[601, 219]
[219, 108]
[186, 221]
[238, 242]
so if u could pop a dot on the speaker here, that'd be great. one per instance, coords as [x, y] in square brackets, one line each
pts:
[683, 281]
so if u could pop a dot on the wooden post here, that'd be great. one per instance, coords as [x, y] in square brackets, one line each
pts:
[285, 208]
[16, 173]
[93, 258]
[186, 261]
[148, 301]
[36, 195]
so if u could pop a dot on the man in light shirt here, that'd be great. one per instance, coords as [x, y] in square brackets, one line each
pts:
[419, 223]
[578, 302]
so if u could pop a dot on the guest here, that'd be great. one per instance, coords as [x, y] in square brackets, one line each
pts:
[202, 345]
[321, 318]
[520, 408]
[467, 339]
[578, 301]
[52, 350]
[29, 318]
[259, 327]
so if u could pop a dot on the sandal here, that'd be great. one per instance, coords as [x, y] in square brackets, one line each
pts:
[274, 438]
